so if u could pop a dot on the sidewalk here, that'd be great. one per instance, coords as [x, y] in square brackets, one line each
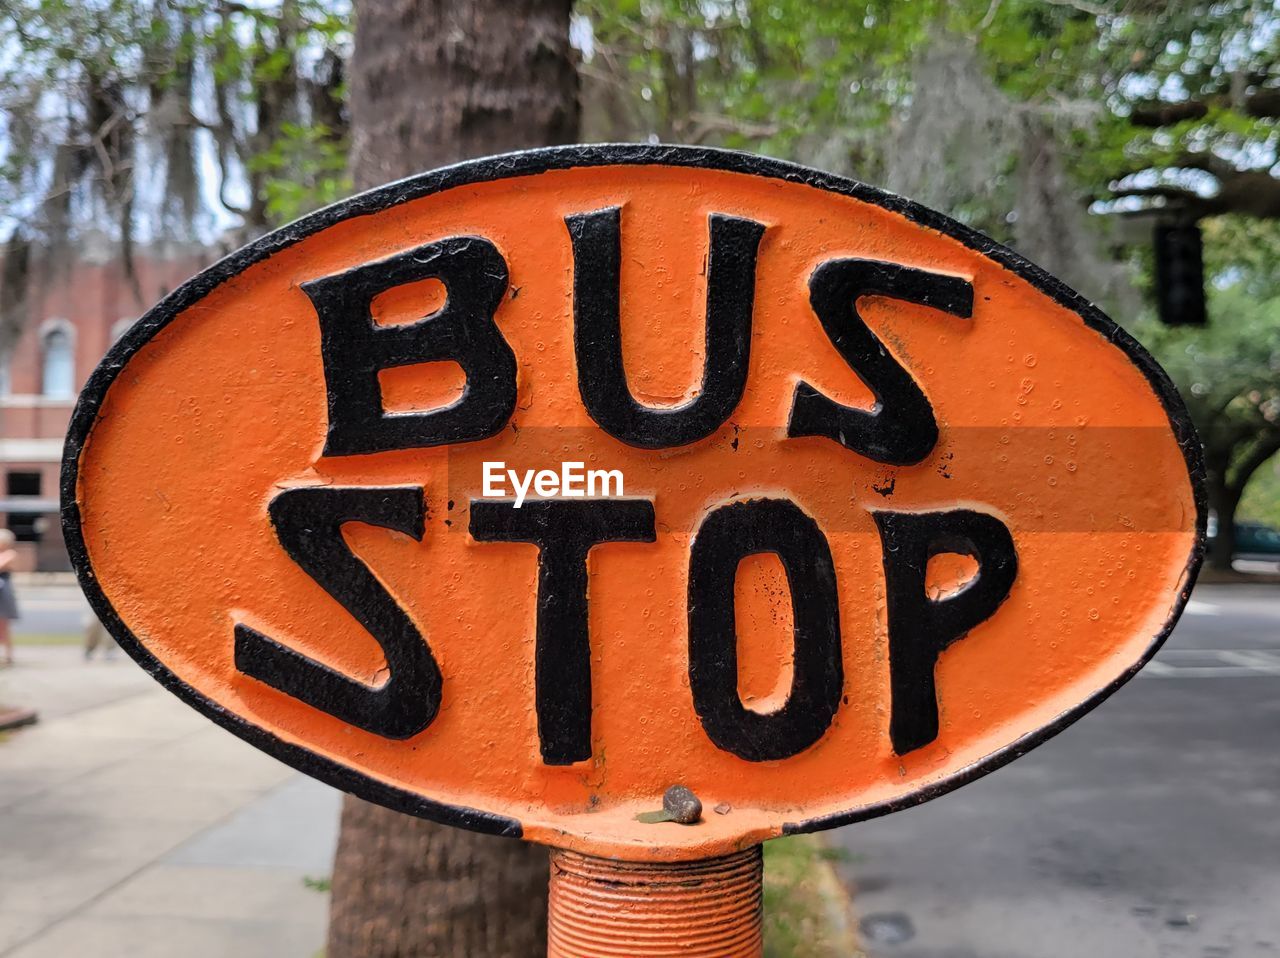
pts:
[131, 826]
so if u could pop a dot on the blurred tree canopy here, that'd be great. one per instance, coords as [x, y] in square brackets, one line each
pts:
[1061, 127]
[970, 105]
[161, 119]
[976, 106]
[1170, 102]
[105, 102]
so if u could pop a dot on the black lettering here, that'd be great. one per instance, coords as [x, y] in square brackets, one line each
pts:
[564, 533]
[921, 627]
[900, 429]
[355, 348]
[308, 522]
[725, 538]
[597, 333]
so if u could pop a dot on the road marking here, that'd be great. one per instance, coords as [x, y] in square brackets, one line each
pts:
[1259, 659]
[1214, 664]
[1195, 607]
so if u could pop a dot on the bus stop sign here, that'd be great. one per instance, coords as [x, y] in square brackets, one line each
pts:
[515, 494]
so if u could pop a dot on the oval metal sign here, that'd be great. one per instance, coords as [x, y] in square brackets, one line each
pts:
[515, 493]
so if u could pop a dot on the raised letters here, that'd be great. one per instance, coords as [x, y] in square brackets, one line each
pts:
[355, 348]
[308, 522]
[725, 538]
[900, 429]
[597, 333]
[564, 532]
[920, 628]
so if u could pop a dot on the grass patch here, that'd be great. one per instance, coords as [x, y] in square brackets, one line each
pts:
[322, 884]
[48, 638]
[806, 913]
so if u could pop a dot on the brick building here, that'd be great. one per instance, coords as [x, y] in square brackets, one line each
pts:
[75, 313]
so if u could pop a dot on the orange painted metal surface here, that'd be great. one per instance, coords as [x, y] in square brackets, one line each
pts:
[1044, 423]
[613, 909]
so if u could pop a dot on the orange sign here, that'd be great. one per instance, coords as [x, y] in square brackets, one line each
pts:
[514, 494]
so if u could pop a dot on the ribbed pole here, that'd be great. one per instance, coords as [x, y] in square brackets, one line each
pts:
[601, 908]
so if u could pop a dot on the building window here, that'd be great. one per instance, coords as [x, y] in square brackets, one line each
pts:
[58, 367]
[27, 526]
[22, 484]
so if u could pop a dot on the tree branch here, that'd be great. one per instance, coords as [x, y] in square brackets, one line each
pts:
[1254, 193]
[1157, 114]
[1093, 9]
[1261, 105]
[1242, 471]
[1174, 194]
[1206, 162]
[698, 126]
[1201, 160]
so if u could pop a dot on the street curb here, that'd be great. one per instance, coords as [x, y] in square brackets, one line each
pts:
[22, 579]
[838, 904]
[1217, 577]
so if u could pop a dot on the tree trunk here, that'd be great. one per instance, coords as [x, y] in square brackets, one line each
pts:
[1226, 486]
[1223, 501]
[436, 81]
[433, 82]
[408, 888]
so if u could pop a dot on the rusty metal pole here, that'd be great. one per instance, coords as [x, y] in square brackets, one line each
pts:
[603, 908]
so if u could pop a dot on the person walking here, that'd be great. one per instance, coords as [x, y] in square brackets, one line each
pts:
[8, 600]
[97, 637]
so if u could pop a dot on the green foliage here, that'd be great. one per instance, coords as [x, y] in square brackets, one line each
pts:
[792, 78]
[1229, 371]
[323, 884]
[304, 167]
[1242, 255]
[1028, 121]
[827, 82]
[47, 638]
[1261, 501]
[806, 913]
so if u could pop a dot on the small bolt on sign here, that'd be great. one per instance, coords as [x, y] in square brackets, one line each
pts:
[887, 506]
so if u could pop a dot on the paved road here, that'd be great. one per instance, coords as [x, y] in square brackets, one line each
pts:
[1151, 829]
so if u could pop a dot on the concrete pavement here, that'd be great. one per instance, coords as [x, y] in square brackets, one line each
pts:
[132, 826]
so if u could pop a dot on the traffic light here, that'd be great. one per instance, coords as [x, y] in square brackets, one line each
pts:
[1180, 274]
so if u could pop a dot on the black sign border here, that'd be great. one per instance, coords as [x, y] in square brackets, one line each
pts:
[531, 163]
